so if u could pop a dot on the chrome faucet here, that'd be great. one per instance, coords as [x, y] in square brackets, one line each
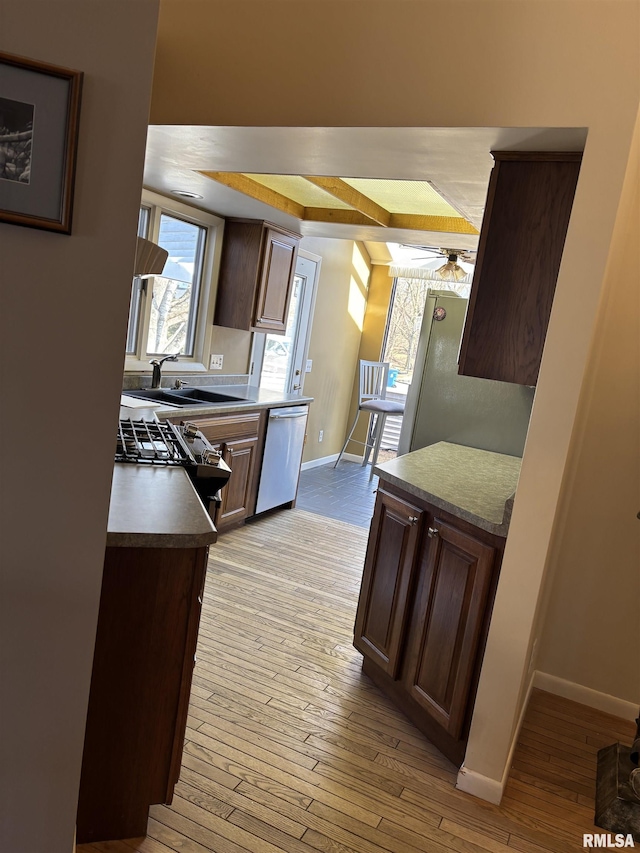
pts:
[157, 369]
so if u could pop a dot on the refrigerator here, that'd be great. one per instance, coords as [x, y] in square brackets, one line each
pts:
[443, 406]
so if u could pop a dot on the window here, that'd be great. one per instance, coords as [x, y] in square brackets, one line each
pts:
[136, 290]
[174, 297]
[170, 313]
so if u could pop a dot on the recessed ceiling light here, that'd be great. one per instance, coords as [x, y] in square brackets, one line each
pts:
[186, 194]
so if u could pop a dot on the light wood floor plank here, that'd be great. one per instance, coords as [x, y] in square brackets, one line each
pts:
[291, 749]
[247, 804]
[147, 845]
[289, 775]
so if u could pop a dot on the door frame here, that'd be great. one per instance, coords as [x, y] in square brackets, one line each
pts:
[302, 337]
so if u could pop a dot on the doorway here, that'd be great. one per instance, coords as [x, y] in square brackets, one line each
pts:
[279, 362]
[399, 348]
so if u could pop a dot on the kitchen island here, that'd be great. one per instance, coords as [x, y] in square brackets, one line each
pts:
[433, 559]
[475, 485]
[155, 564]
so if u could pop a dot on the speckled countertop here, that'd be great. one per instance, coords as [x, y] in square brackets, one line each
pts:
[156, 507]
[253, 397]
[475, 485]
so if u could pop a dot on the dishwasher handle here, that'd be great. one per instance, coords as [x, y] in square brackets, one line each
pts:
[290, 415]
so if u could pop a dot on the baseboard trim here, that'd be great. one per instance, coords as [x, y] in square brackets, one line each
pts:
[325, 460]
[479, 786]
[484, 787]
[585, 695]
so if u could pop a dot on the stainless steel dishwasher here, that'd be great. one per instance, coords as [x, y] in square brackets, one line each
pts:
[282, 456]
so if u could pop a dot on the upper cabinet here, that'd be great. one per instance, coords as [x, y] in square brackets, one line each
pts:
[523, 232]
[256, 275]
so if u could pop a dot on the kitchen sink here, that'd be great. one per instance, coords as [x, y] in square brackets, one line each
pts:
[157, 395]
[202, 395]
[184, 397]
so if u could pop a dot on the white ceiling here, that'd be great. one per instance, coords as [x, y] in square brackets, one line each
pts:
[456, 160]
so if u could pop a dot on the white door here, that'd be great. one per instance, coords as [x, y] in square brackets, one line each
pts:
[279, 362]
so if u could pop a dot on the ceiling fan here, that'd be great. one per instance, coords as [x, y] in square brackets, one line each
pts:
[467, 255]
[450, 270]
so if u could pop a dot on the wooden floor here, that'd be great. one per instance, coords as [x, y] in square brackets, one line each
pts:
[290, 748]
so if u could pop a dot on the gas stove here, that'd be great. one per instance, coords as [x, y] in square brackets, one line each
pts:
[161, 443]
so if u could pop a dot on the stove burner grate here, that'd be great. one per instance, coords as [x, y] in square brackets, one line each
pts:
[151, 442]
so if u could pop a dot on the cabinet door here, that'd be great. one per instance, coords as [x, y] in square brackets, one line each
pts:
[239, 437]
[140, 685]
[276, 277]
[523, 232]
[447, 624]
[189, 661]
[239, 495]
[382, 615]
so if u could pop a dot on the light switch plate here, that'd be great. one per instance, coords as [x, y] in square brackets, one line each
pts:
[309, 365]
[215, 362]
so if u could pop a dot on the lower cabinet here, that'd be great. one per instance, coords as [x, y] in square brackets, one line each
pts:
[423, 613]
[142, 668]
[240, 438]
[382, 616]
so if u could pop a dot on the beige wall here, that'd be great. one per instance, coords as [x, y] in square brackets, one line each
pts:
[235, 346]
[590, 636]
[64, 312]
[335, 338]
[535, 63]
[375, 323]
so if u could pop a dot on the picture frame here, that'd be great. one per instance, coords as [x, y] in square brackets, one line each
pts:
[39, 121]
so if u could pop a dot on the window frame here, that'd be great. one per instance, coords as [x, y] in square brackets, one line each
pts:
[214, 226]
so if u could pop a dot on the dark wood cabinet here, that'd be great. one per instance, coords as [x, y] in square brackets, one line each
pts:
[523, 232]
[240, 438]
[256, 276]
[143, 663]
[424, 611]
[391, 555]
[450, 605]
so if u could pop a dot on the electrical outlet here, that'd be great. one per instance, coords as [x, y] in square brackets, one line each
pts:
[309, 365]
[215, 362]
[321, 435]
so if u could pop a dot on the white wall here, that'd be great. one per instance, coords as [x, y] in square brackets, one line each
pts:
[534, 63]
[63, 314]
[590, 636]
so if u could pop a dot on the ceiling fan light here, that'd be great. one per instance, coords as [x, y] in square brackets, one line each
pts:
[451, 271]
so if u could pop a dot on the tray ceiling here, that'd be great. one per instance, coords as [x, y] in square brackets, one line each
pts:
[414, 205]
[372, 161]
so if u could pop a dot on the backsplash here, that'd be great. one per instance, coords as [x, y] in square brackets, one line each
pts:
[131, 381]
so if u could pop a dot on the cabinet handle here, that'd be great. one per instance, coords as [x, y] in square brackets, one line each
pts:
[432, 532]
[413, 519]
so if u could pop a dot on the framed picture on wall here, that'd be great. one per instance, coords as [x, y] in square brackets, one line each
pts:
[39, 116]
